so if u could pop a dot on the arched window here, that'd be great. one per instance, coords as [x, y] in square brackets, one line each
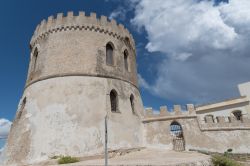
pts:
[127, 42]
[176, 129]
[114, 101]
[237, 114]
[35, 55]
[132, 103]
[109, 54]
[125, 54]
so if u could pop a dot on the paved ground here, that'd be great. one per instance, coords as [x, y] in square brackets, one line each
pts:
[150, 157]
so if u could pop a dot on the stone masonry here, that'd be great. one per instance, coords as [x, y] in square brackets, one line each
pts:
[71, 88]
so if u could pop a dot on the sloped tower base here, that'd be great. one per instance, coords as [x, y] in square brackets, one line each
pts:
[65, 116]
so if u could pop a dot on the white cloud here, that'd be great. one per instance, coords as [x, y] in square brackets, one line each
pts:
[173, 26]
[2, 155]
[142, 82]
[124, 7]
[4, 128]
[120, 13]
[1, 151]
[206, 46]
[4, 131]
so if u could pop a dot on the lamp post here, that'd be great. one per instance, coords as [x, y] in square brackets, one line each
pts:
[106, 140]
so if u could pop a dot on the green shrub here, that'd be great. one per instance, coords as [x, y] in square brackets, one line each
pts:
[67, 159]
[224, 161]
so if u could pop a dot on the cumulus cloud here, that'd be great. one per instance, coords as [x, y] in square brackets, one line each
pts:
[142, 82]
[120, 13]
[4, 128]
[206, 47]
[2, 155]
[1, 151]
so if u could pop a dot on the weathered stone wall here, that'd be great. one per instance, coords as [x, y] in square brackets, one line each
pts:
[212, 136]
[67, 93]
[76, 45]
[67, 96]
[65, 116]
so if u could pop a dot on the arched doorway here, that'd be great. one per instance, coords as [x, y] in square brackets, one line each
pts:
[178, 137]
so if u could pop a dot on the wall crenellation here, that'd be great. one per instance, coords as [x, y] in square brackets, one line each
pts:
[225, 119]
[80, 22]
[177, 111]
[224, 123]
[206, 124]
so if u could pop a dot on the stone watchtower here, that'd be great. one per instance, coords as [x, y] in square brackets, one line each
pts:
[81, 69]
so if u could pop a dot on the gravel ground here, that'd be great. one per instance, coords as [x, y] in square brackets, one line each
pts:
[152, 157]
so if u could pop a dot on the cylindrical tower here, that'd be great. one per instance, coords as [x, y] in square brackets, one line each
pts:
[81, 69]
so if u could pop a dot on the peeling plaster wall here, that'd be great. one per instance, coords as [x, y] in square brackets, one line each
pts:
[65, 116]
[157, 133]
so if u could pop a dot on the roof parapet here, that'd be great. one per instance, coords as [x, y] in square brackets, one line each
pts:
[80, 21]
[224, 123]
[177, 111]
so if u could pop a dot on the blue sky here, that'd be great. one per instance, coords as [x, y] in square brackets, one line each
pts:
[196, 55]
[19, 20]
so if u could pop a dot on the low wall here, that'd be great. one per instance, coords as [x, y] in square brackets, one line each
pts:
[211, 136]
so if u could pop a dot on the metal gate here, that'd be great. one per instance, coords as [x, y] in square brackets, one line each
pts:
[177, 136]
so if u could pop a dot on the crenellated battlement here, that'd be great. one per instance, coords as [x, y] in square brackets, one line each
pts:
[208, 123]
[224, 123]
[72, 22]
[177, 112]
